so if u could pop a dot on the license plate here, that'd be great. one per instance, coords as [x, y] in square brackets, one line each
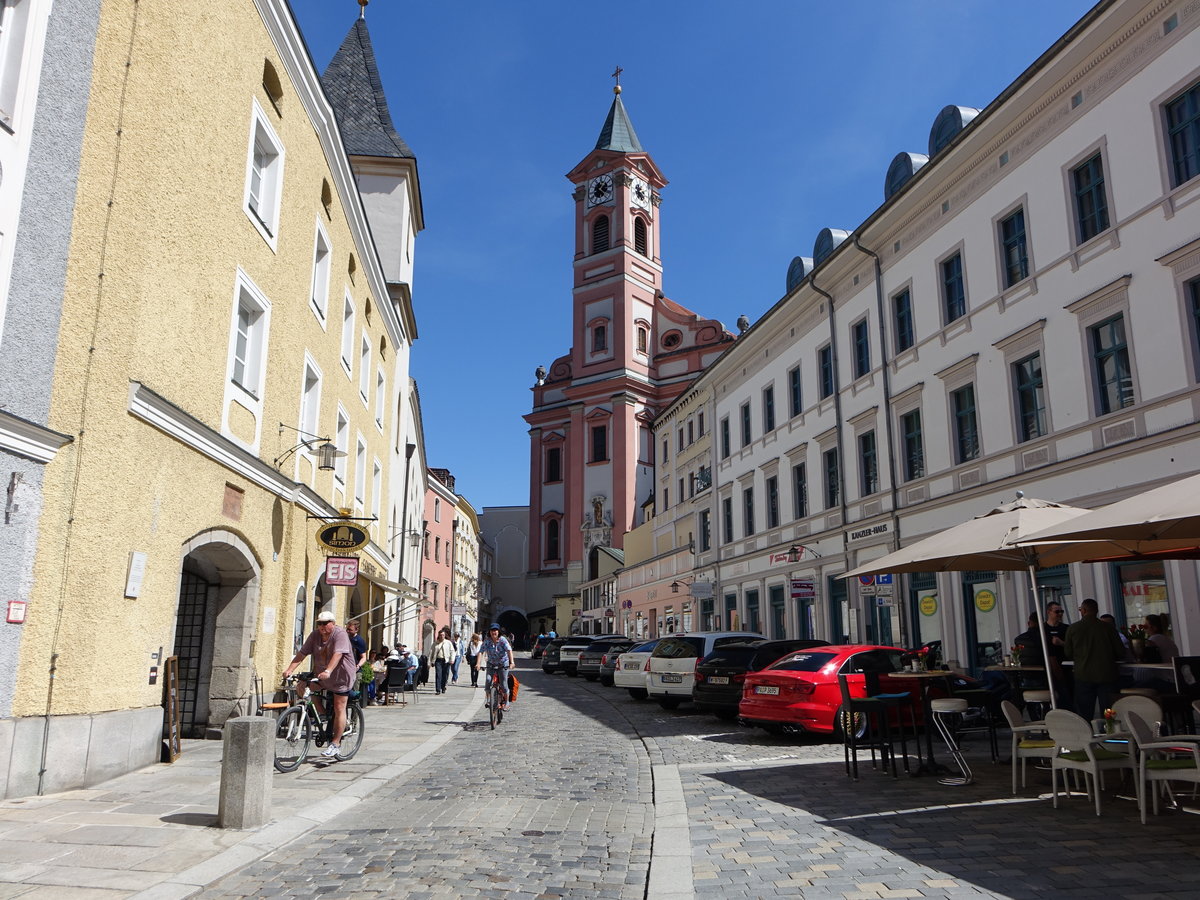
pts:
[718, 679]
[672, 679]
[766, 689]
[631, 664]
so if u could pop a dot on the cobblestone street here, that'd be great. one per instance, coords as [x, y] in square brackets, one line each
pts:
[583, 792]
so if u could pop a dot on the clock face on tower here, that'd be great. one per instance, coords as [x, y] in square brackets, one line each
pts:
[600, 189]
[641, 193]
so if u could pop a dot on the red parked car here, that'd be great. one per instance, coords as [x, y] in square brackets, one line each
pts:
[800, 692]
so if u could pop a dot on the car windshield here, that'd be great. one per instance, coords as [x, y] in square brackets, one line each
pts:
[767, 653]
[731, 655]
[802, 661]
[644, 648]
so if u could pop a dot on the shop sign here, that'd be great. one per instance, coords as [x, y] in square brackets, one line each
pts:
[342, 537]
[701, 590]
[804, 589]
[882, 529]
[985, 601]
[458, 609]
[929, 605]
[341, 571]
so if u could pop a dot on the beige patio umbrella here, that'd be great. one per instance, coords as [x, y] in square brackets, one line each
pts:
[990, 541]
[1156, 522]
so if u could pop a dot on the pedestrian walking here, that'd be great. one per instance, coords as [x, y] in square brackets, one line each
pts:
[443, 659]
[458, 656]
[473, 649]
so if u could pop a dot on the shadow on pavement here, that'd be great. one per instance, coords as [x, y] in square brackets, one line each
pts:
[1020, 847]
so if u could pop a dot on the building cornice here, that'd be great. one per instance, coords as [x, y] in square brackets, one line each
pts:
[25, 438]
[159, 412]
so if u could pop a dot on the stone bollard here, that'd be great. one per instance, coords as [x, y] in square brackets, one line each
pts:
[246, 762]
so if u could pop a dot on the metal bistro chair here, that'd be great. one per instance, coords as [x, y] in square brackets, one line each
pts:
[398, 682]
[1081, 751]
[262, 706]
[1165, 759]
[876, 733]
[1029, 741]
[942, 709]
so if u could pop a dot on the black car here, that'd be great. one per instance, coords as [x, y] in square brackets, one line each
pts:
[550, 656]
[539, 646]
[719, 676]
[591, 660]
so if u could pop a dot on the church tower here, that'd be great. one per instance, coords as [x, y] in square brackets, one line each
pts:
[632, 352]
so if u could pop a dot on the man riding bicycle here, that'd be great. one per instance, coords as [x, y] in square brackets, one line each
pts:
[499, 655]
[336, 672]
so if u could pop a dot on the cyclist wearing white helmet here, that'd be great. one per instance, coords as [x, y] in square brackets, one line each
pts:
[499, 655]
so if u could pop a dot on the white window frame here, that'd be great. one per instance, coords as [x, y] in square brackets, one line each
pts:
[380, 397]
[14, 27]
[322, 263]
[360, 472]
[246, 291]
[309, 419]
[364, 371]
[264, 211]
[341, 440]
[376, 489]
[349, 321]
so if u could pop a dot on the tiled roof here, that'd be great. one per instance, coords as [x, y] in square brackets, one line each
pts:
[352, 85]
[617, 133]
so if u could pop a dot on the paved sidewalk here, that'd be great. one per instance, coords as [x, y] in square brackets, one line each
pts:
[152, 834]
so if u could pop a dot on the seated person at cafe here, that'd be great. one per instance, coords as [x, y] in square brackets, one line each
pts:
[1157, 637]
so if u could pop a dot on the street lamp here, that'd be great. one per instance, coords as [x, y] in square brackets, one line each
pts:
[796, 553]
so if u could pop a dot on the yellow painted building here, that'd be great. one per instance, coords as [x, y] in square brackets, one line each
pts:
[225, 314]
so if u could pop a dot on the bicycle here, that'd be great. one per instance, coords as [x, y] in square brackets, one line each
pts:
[301, 723]
[495, 695]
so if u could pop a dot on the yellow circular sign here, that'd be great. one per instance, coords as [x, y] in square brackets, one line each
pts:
[929, 605]
[342, 537]
[985, 601]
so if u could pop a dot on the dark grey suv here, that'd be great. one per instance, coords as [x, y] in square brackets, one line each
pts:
[592, 659]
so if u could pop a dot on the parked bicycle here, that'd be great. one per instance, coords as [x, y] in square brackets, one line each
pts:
[495, 696]
[302, 723]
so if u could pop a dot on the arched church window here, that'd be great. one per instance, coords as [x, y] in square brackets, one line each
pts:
[552, 539]
[600, 234]
[643, 339]
[599, 338]
[639, 237]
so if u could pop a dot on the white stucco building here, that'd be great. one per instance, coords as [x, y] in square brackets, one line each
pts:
[1021, 313]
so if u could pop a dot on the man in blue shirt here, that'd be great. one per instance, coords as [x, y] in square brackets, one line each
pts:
[499, 655]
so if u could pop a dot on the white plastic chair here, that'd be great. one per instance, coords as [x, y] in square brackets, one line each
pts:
[1029, 741]
[1081, 751]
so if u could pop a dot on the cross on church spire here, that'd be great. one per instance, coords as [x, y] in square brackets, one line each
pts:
[617, 75]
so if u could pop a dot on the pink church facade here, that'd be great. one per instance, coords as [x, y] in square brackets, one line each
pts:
[633, 351]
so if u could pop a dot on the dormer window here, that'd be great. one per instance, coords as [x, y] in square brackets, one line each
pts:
[639, 237]
[600, 234]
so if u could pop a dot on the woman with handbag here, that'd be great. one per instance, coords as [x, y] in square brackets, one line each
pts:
[473, 649]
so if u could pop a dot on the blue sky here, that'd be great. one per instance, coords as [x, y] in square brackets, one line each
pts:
[771, 119]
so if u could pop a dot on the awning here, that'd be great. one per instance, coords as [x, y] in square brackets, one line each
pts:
[405, 590]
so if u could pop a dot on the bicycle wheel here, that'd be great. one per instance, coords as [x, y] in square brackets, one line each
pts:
[353, 734]
[293, 732]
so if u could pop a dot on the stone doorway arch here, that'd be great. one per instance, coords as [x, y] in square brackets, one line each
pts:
[215, 621]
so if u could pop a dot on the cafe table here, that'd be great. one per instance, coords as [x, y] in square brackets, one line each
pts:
[926, 678]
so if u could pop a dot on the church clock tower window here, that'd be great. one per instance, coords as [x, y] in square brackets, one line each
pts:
[639, 237]
[599, 338]
[600, 234]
